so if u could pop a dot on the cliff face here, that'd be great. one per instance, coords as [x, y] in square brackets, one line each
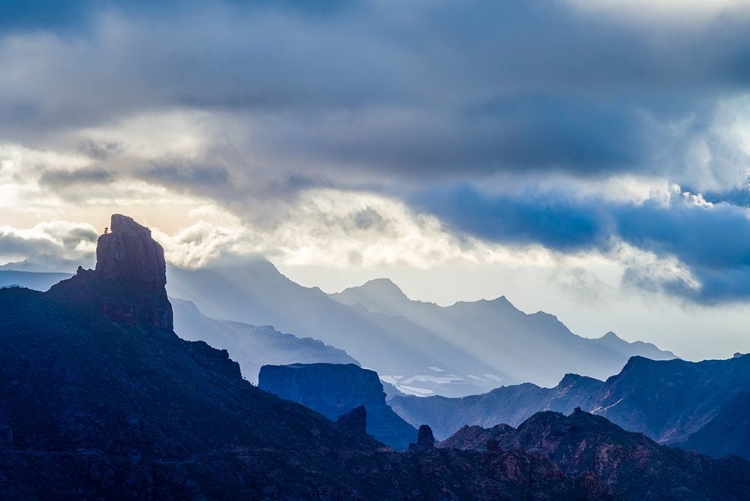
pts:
[334, 389]
[128, 284]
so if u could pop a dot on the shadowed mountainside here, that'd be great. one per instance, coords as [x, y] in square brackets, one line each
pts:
[630, 463]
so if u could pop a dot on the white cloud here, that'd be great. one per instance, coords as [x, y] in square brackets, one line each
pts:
[697, 12]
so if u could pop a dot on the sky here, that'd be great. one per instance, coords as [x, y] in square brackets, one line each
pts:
[588, 158]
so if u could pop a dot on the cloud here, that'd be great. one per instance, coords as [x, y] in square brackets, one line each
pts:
[709, 244]
[66, 178]
[52, 246]
[357, 133]
[368, 88]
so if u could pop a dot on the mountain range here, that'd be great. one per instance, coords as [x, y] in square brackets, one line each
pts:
[252, 346]
[695, 405]
[420, 348]
[100, 399]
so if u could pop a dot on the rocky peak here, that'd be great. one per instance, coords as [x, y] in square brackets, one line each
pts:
[128, 251]
[129, 281]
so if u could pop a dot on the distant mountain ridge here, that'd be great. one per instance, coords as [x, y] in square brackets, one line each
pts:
[697, 405]
[255, 292]
[252, 346]
[420, 348]
[509, 405]
[535, 348]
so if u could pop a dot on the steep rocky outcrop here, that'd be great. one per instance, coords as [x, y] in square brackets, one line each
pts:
[333, 389]
[632, 465]
[128, 283]
[425, 439]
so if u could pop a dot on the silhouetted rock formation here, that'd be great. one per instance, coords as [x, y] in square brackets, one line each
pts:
[128, 282]
[355, 419]
[425, 439]
[97, 405]
[333, 389]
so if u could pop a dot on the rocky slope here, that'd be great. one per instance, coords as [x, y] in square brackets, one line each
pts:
[100, 400]
[251, 346]
[508, 404]
[672, 401]
[334, 389]
[697, 405]
[631, 464]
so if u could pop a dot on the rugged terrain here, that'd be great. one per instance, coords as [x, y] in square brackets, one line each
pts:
[696, 405]
[630, 463]
[99, 399]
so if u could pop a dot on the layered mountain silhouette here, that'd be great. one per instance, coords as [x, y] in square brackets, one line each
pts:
[99, 399]
[335, 389]
[252, 346]
[631, 464]
[31, 280]
[696, 405]
[420, 348]
[535, 348]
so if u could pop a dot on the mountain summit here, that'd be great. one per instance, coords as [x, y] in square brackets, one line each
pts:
[129, 281]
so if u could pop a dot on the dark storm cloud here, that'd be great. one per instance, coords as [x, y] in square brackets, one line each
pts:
[187, 175]
[402, 88]
[398, 95]
[64, 178]
[713, 241]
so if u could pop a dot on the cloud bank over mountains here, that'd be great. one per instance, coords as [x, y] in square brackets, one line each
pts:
[562, 134]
